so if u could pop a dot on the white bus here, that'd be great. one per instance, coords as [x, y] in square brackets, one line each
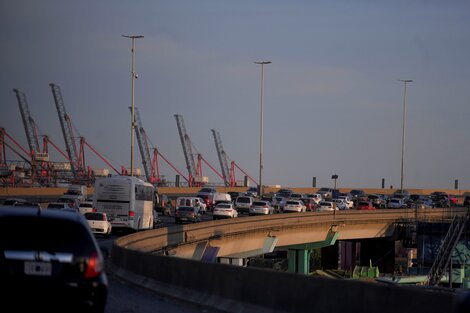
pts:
[127, 201]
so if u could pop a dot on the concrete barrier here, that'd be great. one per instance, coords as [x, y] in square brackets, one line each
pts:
[238, 289]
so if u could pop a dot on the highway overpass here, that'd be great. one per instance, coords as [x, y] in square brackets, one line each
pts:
[169, 261]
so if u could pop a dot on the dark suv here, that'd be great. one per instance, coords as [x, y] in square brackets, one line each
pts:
[50, 261]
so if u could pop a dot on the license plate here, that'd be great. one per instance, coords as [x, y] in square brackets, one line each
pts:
[38, 268]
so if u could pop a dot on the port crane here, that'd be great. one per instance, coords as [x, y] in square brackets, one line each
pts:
[65, 124]
[144, 150]
[227, 173]
[195, 171]
[187, 150]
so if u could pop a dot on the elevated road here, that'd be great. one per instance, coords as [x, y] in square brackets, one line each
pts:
[249, 236]
[166, 260]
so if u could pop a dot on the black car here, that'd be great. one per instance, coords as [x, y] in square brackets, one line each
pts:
[50, 261]
[466, 201]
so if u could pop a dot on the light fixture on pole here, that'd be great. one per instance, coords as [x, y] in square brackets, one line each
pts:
[260, 186]
[334, 177]
[133, 77]
[404, 81]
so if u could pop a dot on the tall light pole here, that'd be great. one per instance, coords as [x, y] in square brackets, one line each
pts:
[405, 81]
[260, 187]
[133, 77]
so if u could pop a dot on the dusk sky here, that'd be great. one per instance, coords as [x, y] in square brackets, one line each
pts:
[333, 100]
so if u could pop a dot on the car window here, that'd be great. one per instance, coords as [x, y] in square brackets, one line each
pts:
[41, 234]
[186, 209]
[94, 216]
[243, 199]
[260, 203]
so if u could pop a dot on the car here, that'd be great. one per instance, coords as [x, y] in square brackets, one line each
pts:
[294, 206]
[453, 199]
[187, 214]
[15, 201]
[192, 202]
[243, 204]
[285, 193]
[341, 204]
[325, 192]
[396, 203]
[357, 193]
[86, 207]
[378, 201]
[326, 206]
[252, 192]
[347, 200]
[401, 193]
[163, 205]
[52, 265]
[466, 201]
[235, 194]
[224, 210]
[364, 205]
[98, 222]
[309, 203]
[58, 206]
[278, 203]
[207, 194]
[441, 201]
[296, 196]
[314, 196]
[261, 208]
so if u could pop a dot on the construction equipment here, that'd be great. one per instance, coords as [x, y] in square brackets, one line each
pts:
[77, 167]
[188, 153]
[443, 258]
[144, 149]
[28, 123]
[228, 181]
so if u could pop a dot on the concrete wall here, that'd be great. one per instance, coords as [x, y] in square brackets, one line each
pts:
[238, 289]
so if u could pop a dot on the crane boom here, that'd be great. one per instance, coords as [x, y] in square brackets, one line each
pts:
[66, 129]
[28, 123]
[186, 143]
[144, 151]
[222, 157]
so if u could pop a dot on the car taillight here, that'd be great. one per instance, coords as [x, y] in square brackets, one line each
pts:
[94, 266]
[94, 210]
[131, 213]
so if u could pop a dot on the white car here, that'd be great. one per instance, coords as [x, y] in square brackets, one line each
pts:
[224, 210]
[85, 207]
[98, 222]
[341, 204]
[261, 208]
[348, 201]
[326, 206]
[315, 196]
[295, 206]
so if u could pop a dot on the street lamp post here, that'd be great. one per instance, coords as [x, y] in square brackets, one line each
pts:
[133, 77]
[405, 81]
[260, 187]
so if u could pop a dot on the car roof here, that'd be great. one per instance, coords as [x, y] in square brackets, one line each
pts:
[36, 211]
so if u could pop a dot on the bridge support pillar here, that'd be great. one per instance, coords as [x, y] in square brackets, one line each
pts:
[298, 256]
[298, 261]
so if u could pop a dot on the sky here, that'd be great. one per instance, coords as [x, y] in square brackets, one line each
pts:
[333, 102]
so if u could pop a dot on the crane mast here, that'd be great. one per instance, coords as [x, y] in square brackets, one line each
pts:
[66, 130]
[186, 143]
[222, 157]
[28, 123]
[144, 151]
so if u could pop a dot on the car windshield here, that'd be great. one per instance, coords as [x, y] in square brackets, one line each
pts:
[292, 202]
[243, 200]
[186, 209]
[326, 204]
[94, 216]
[86, 205]
[260, 203]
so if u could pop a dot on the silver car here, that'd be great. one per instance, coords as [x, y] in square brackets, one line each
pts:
[261, 208]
